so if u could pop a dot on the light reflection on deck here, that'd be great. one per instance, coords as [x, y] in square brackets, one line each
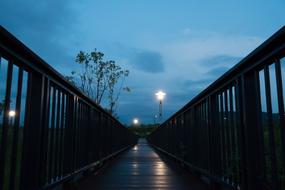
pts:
[141, 168]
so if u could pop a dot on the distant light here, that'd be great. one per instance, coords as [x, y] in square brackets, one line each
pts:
[12, 113]
[136, 121]
[160, 95]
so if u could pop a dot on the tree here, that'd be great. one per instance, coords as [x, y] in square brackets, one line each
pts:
[98, 79]
[115, 73]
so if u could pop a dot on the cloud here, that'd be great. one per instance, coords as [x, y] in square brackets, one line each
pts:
[217, 65]
[196, 84]
[220, 60]
[46, 27]
[186, 31]
[148, 61]
[217, 71]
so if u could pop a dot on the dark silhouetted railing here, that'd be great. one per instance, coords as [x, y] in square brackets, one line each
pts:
[233, 132]
[49, 130]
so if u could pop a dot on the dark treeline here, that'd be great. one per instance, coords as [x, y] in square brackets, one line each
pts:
[143, 130]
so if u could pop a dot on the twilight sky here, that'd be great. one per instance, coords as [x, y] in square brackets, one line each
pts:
[178, 46]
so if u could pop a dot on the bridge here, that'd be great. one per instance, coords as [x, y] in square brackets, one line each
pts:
[230, 136]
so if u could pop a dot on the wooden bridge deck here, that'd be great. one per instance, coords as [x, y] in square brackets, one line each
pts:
[141, 168]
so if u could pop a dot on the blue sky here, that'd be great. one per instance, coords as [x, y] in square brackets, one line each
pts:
[177, 46]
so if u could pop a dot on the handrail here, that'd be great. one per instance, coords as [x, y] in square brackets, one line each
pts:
[233, 132]
[276, 40]
[49, 129]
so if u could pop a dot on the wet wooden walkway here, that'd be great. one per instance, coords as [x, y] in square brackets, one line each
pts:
[141, 168]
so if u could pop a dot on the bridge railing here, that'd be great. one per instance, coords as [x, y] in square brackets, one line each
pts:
[49, 130]
[233, 132]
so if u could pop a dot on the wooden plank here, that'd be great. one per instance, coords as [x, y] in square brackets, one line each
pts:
[141, 168]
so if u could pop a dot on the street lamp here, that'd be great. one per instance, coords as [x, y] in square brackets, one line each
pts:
[135, 121]
[11, 114]
[160, 96]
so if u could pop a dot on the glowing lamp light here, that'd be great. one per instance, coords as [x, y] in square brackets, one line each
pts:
[136, 147]
[160, 95]
[12, 113]
[136, 121]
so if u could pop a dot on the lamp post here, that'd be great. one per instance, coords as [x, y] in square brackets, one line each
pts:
[154, 119]
[160, 96]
